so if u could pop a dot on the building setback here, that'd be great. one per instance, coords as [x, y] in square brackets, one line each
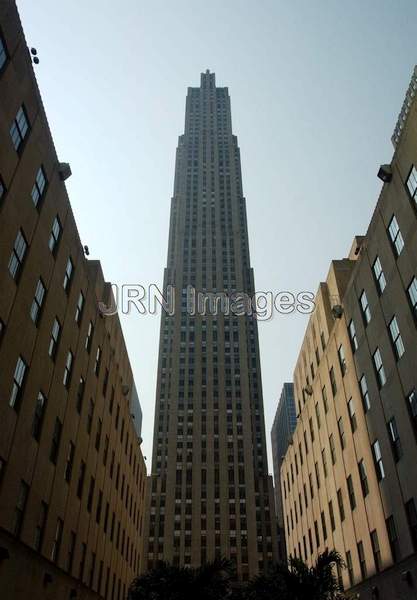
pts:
[211, 494]
[281, 434]
[348, 479]
[72, 475]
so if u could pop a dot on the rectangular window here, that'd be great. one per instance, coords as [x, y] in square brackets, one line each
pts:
[80, 394]
[366, 311]
[379, 465]
[35, 309]
[97, 362]
[40, 527]
[352, 415]
[70, 462]
[396, 338]
[364, 393]
[18, 383]
[395, 236]
[323, 525]
[394, 439]
[56, 439]
[379, 275]
[351, 492]
[3, 53]
[349, 566]
[333, 381]
[364, 478]
[411, 179]
[410, 509]
[37, 423]
[19, 511]
[331, 515]
[19, 129]
[39, 187]
[54, 341]
[324, 396]
[90, 415]
[317, 409]
[379, 368]
[89, 336]
[332, 449]
[81, 477]
[79, 309]
[393, 538]
[69, 269]
[352, 336]
[324, 461]
[2, 188]
[55, 236]
[342, 359]
[412, 408]
[56, 546]
[90, 494]
[362, 561]
[17, 256]
[341, 432]
[68, 369]
[376, 550]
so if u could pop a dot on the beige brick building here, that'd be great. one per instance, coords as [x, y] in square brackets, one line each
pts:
[72, 475]
[348, 478]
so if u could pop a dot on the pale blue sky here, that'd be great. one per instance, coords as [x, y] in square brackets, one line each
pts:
[316, 87]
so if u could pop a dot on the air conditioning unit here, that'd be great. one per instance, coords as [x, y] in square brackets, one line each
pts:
[385, 173]
[337, 311]
[308, 390]
[64, 171]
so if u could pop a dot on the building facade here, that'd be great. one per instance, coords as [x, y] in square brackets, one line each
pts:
[72, 476]
[211, 494]
[348, 477]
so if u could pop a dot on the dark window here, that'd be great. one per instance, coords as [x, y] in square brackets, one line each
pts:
[69, 270]
[70, 462]
[379, 466]
[364, 393]
[38, 416]
[352, 415]
[395, 236]
[54, 341]
[393, 538]
[19, 129]
[68, 369]
[341, 433]
[379, 368]
[379, 275]
[352, 336]
[3, 53]
[97, 362]
[333, 381]
[351, 492]
[80, 394]
[363, 477]
[81, 477]
[55, 236]
[410, 509]
[2, 188]
[19, 511]
[89, 337]
[79, 309]
[412, 408]
[394, 439]
[362, 561]
[18, 255]
[349, 566]
[40, 527]
[36, 308]
[39, 187]
[56, 438]
[56, 546]
[396, 338]
[376, 550]
[366, 311]
[90, 494]
[18, 383]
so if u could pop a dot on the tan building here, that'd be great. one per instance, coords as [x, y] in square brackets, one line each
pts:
[72, 476]
[348, 478]
[211, 493]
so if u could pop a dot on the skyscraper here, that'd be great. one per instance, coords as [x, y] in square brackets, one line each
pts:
[211, 494]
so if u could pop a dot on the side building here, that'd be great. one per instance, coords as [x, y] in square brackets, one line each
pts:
[72, 475]
[281, 434]
[348, 478]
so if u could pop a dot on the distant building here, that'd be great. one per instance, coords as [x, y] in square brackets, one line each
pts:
[72, 475]
[349, 478]
[284, 424]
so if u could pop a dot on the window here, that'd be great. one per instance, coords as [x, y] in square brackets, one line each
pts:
[2, 187]
[323, 525]
[352, 335]
[54, 341]
[90, 415]
[396, 338]
[40, 527]
[412, 408]
[349, 566]
[379, 466]
[331, 515]
[79, 309]
[317, 409]
[18, 382]
[80, 394]
[68, 275]
[411, 179]
[90, 494]
[332, 449]
[342, 359]
[395, 236]
[70, 462]
[19, 511]
[3, 53]
[352, 415]
[17, 256]
[364, 478]
[364, 393]
[379, 368]
[379, 275]
[35, 309]
[19, 129]
[341, 432]
[376, 550]
[81, 477]
[366, 311]
[393, 538]
[97, 361]
[324, 396]
[89, 336]
[56, 438]
[410, 509]
[55, 236]
[56, 546]
[38, 416]
[68, 369]
[351, 492]
[39, 187]
[362, 561]
[394, 438]
[324, 461]
[333, 381]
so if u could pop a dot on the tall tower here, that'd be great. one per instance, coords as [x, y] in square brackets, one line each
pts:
[211, 494]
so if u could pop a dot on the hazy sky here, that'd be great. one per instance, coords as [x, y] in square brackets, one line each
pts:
[316, 87]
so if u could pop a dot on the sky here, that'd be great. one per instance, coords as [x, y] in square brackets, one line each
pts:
[316, 87]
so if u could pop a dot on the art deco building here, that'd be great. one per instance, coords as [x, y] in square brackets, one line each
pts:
[348, 478]
[211, 494]
[72, 476]
[281, 434]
